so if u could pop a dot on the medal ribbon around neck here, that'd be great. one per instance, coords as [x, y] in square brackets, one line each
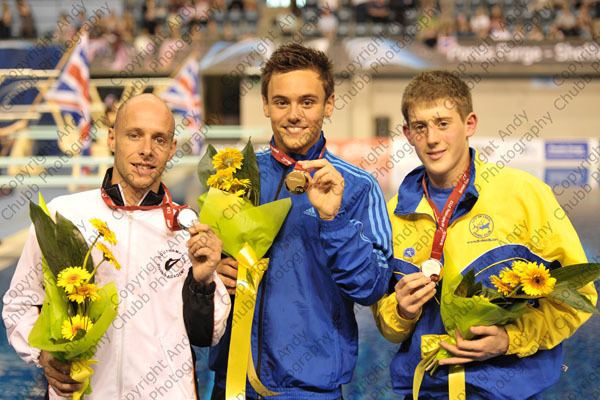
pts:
[169, 208]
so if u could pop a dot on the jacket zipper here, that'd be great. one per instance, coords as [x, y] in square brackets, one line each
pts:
[123, 307]
[261, 305]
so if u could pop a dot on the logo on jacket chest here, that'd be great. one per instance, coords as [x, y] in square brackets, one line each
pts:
[481, 226]
[171, 263]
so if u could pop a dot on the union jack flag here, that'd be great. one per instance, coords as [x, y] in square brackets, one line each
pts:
[184, 97]
[72, 92]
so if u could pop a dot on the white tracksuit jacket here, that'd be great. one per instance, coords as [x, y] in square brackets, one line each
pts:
[145, 353]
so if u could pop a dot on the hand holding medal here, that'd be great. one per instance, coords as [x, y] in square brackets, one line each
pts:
[325, 188]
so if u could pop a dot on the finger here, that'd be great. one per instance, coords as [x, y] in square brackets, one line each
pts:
[198, 227]
[484, 330]
[456, 360]
[324, 175]
[204, 252]
[232, 262]
[458, 352]
[313, 164]
[423, 295]
[228, 282]
[227, 271]
[58, 375]
[409, 278]
[413, 286]
[67, 388]
[60, 366]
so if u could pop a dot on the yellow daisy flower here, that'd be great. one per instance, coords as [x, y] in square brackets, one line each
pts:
[71, 327]
[502, 287]
[104, 230]
[510, 277]
[221, 179]
[85, 291]
[228, 158]
[536, 280]
[108, 255]
[519, 266]
[71, 278]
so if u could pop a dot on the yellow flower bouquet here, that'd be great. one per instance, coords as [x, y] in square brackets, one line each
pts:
[76, 313]
[230, 181]
[483, 299]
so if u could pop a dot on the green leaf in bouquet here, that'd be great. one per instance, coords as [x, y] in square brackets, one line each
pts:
[571, 297]
[54, 311]
[71, 240]
[576, 276]
[45, 233]
[205, 167]
[71, 350]
[467, 286]
[237, 222]
[250, 171]
[108, 298]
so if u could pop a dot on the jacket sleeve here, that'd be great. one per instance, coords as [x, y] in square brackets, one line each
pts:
[205, 310]
[357, 243]
[552, 237]
[24, 299]
[391, 325]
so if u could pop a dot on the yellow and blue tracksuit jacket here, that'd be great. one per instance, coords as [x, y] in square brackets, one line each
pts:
[504, 214]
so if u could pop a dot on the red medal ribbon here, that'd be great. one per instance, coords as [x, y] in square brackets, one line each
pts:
[169, 208]
[442, 219]
[288, 161]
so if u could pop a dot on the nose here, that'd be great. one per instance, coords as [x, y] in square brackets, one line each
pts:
[146, 146]
[433, 135]
[295, 114]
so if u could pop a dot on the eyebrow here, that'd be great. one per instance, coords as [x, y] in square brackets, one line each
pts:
[421, 121]
[302, 97]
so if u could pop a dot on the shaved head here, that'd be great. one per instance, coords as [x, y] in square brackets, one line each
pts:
[141, 101]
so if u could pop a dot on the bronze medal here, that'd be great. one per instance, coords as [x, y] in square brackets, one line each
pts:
[296, 182]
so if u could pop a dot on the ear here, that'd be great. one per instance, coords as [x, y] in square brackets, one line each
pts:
[408, 134]
[329, 105]
[265, 106]
[111, 139]
[471, 124]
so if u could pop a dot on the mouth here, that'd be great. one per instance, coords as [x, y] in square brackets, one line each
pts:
[436, 155]
[144, 169]
[294, 130]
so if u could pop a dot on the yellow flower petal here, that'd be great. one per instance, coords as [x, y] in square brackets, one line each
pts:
[502, 287]
[71, 278]
[104, 230]
[510, 277]
[85, 291]
[71, 327]
[228, 158]
[536, 280]
[108, 255]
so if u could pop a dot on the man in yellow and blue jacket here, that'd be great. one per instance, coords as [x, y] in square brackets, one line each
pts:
[502, 214]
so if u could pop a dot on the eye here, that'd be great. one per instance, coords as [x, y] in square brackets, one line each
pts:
[160, 140]
[133, 135]
[308, 103]
[443, 124]
[280, 103]
[420, 128]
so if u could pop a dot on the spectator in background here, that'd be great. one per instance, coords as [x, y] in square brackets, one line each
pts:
[149, 17]
[498, 29]
[463, 28]
[379, 11]
[565, 21]
[584, 21]
[6, 21]
[536, 34]
[328, 22]
[447, 36]
[28, 29]
[429, 23]
[480, 23]
[361, 10]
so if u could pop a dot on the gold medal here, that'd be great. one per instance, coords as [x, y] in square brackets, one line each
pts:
[296, 182]
[432, 269]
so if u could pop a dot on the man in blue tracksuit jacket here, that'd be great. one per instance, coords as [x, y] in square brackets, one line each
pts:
[331, 252]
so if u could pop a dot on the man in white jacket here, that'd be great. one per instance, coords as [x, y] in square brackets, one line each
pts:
[146, 353]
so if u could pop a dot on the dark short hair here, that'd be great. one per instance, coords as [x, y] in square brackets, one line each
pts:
[432, 86]
[294, 56]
